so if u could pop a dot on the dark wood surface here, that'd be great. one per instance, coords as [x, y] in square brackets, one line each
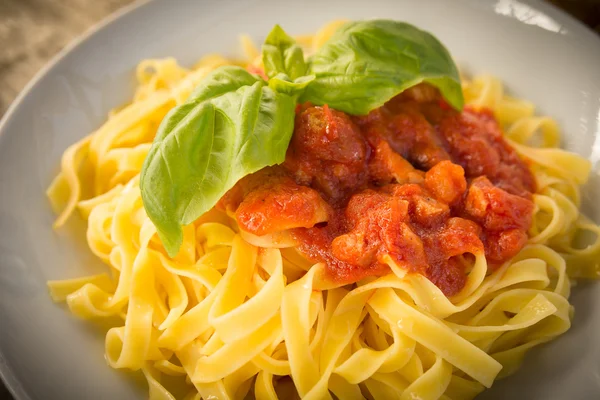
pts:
[32, 31]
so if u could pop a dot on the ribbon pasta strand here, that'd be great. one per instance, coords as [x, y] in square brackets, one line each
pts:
[235, 313]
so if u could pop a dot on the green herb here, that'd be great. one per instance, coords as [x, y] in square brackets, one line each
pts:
[282, 83]
[281, 55]
[284, 63]
[366, 63]
[235, 123]
[220, 81]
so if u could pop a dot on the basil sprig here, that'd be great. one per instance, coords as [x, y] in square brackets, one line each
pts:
[284, 63]
[281, 55]
[235, 123]
[366, 63]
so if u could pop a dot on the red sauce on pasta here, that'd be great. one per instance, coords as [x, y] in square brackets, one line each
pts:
[413, 181]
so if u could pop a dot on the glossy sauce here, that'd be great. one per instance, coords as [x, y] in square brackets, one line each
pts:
[413, 180]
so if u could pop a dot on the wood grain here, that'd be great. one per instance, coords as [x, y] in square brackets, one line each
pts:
[32, 31]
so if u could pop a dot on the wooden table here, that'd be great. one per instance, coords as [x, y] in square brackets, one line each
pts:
[32, 31]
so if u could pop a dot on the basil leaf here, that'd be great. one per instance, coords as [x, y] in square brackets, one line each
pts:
[218, 82]
[281, 54]
[222, 80]
[283, 84]
[204, 147]
[366, 63]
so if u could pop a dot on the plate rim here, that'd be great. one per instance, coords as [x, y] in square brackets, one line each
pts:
[11, 382]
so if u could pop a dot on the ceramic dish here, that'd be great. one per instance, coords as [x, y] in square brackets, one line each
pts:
[540, 53]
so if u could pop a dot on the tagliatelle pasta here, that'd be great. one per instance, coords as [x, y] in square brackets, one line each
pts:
[235, 315]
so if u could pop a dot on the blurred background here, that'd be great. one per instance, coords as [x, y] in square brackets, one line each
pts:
[32, 31]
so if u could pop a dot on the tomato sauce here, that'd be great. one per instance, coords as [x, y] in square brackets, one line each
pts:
[414, 180]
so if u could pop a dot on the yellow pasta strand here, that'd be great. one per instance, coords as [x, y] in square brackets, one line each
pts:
[235, 313]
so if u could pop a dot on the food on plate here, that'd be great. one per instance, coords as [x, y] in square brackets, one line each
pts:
[338, 216]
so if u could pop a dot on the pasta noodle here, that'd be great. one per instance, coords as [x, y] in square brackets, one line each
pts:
[234, 313]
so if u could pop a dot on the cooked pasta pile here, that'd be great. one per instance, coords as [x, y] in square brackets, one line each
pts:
[234, 315]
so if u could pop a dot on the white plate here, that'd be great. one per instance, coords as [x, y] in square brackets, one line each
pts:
[45, 353]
